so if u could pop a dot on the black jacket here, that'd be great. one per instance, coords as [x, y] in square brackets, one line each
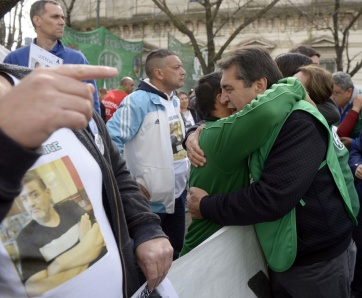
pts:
[291, 173]
[126, 207]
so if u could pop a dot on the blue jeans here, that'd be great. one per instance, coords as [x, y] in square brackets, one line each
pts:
[174, 224]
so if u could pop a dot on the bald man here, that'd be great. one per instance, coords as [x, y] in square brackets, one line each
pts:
[113, 98]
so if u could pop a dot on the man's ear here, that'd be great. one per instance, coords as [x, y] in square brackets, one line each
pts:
[350, 92]
[261, 85]
[36, 20]
[218, 97]
[158, 73]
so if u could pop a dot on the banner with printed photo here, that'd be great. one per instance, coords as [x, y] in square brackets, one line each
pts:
[102, 47]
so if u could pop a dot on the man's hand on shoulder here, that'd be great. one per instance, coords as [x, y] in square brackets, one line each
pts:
[357, 103]
[194, 152]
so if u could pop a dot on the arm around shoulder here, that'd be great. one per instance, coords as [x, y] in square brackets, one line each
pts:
[275, 193]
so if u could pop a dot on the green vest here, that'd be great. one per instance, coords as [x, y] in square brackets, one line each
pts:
[230, 141]
[343, 156]
[278, 239]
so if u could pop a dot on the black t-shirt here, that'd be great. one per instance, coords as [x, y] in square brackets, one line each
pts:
[39, 245]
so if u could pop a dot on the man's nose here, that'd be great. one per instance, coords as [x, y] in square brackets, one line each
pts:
[30, 201]
[224, 98]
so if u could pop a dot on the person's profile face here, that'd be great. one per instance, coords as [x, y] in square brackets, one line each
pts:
[315, 59]
[234, 91]
[36, 201]
[341, 97]
[129, 87]
[173, 73]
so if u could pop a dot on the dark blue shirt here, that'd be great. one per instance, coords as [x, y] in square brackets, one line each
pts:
[21, 57]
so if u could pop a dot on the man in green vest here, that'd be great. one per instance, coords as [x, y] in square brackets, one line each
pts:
[299, 201]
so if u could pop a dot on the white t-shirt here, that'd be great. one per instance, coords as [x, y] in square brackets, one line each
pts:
[189, 120]
[72, 176]
[179, 154]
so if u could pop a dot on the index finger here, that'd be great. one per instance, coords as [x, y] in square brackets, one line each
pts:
[82, 71]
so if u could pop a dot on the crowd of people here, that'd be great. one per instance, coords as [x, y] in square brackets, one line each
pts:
[96, 183]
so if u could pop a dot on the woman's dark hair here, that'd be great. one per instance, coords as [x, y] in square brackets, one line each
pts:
[252, 63]
[305, 50]
[206, 92]
[289, 63]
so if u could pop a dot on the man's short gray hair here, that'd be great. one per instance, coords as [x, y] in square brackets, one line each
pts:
[343, 80]
[37, 8]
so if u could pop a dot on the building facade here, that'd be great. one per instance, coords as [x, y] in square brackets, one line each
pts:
[287, 24]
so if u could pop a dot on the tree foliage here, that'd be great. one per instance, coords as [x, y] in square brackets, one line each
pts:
[338, 17]
[212, 11]
[68, 11]
[340, 34]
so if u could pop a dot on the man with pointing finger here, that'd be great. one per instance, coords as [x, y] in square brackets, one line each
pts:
[40, 111]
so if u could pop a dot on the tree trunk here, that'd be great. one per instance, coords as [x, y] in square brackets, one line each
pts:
[20, 35]
[2, 31]
[6, 6]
